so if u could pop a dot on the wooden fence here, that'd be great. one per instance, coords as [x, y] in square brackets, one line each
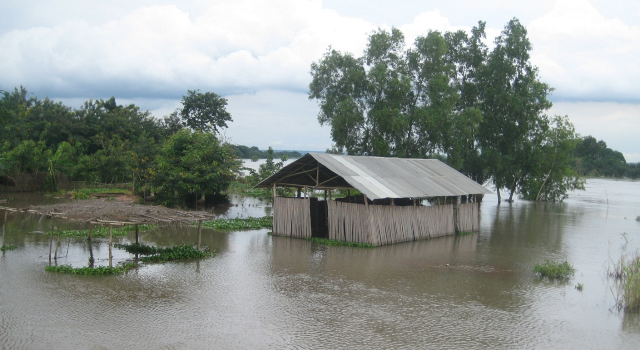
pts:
[468, 220]
[382, 224]
[292, 217]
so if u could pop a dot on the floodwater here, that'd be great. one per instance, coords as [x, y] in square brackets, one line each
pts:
[263, 292]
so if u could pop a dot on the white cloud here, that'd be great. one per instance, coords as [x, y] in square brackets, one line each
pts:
[615, 123]
[586, 56]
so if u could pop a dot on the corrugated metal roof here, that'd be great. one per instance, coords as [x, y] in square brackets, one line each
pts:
[379, 177]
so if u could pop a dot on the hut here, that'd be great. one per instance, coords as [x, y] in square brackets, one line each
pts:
[399, 199]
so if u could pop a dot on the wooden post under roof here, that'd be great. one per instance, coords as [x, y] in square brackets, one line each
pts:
[199, 233]
[110, 247]
[4, 226]
[274, 192]
[137, 231]
[51, 239]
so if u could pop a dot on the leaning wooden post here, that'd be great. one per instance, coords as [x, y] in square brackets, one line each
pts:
[110, 247]
[137, 231]
[199, 233]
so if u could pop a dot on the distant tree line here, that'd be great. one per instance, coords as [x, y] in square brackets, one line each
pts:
[595, 159]
[254, 153]
[449, 96]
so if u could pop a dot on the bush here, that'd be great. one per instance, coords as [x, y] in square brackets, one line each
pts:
[554, 270]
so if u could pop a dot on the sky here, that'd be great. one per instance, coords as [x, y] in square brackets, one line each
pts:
[258, 54]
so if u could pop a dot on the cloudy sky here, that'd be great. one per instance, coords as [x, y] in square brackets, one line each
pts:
[258, 54]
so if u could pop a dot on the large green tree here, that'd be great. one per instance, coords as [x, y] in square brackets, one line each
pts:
[205, 112]
[193, 164]
[513, 106]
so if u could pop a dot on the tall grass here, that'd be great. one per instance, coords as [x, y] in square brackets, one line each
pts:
[626, 273]
[334, 242]
[554, 270]
[103, 231]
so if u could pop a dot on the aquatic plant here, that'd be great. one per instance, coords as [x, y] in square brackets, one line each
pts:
[579, 286]
[103, 231]
[99, 270]
[155, 254]
[334, 242]
[176, 253]
[626, 272]
[554, 270]
[135, 248]
[249, 223]
[7, 247]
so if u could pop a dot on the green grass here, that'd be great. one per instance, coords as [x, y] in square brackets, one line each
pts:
[579, 286]
[554, 270]
[155, 254]
[100, 270]
[103, 231]
[7, 247]
[250, 223]
[334, 242]
[627, 275]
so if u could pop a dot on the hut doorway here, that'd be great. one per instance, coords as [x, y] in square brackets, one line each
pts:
[318, 215]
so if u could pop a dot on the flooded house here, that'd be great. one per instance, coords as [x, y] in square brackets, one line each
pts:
[383, 200]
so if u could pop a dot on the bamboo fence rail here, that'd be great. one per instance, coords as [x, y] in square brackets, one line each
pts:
[468, 220]
[382, 225]
[292, 217]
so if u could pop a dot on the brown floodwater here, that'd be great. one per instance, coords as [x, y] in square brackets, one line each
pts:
[261, 292]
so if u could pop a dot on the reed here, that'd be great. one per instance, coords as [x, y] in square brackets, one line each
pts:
[99, 270]
[626, 273]
[554, 270]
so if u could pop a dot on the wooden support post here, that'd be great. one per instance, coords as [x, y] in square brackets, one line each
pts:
[4, 226]
[349, 196]
[325, 195]
[299, 190]
[199, 233]
[414, 202]
[366, 201]
[51, 239]
[55, 255]
[110, 247]
[330, 194]
[137, 232]
[91, 260]
[274, 193]
[392, 203]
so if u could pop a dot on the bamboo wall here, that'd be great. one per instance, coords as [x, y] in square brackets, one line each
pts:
[381, 224]
[468, 220]
[291, 217]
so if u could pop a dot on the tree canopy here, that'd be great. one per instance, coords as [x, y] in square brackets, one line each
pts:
[448, 96]
[205, 112]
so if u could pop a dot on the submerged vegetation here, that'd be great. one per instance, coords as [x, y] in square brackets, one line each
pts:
[554, 270]
[626, 273]
[249, 223]
[155, 254]
[334, 242]
[99, 270]
[7, 247]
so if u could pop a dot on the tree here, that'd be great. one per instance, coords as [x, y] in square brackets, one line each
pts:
[513, 105]
[193, 164]
[553, 175]
[204, 111]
